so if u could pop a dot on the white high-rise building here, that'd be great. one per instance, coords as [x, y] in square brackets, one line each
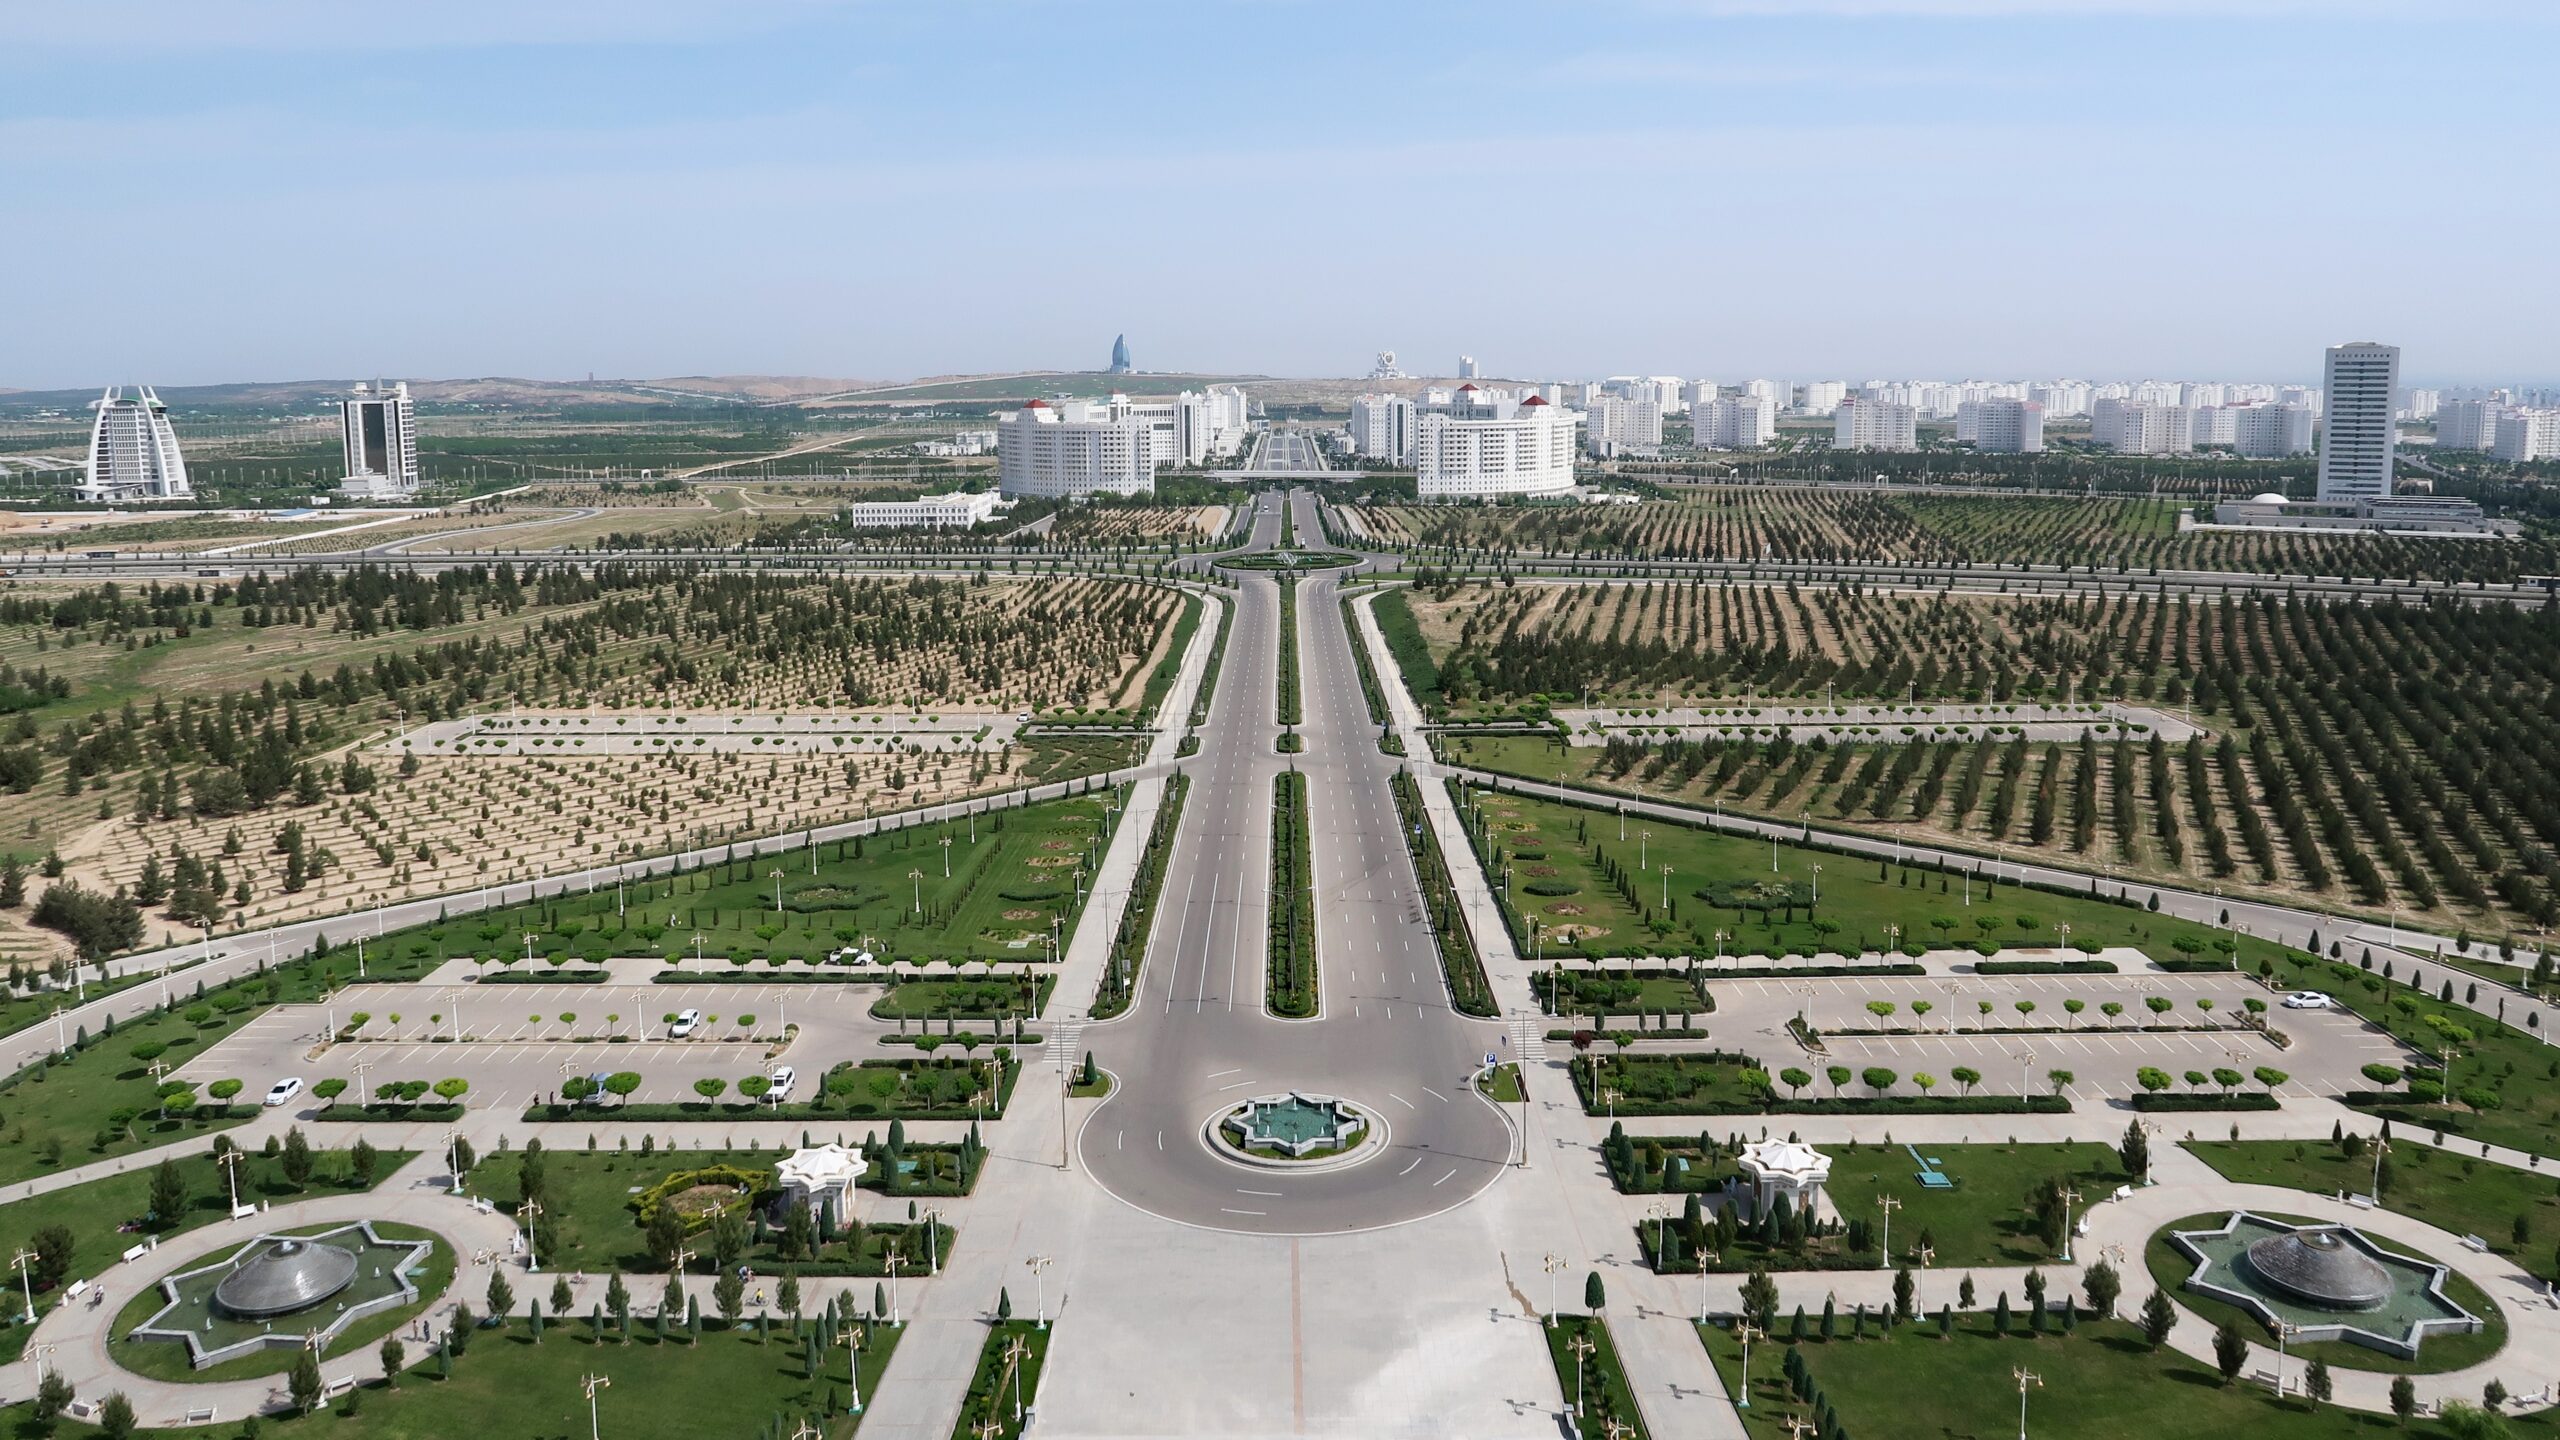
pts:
[133, 451]
[1210, 422]
[2467, 424]
[1874, 425]
[1734, 422]
[378, 430]
[2129, 427]
[1488, 449]
[1074, 449]
[2421, 404]
[1625, 425]
[2061, 397]
[2001, 426]
[1382, 428]
[2271, 432]
[2356, 442]
[2527, 433]
[2213, 425]
[1466, 367]
[1820, 397]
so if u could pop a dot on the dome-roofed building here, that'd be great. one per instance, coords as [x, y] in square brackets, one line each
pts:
[1789, 1168]
[821, 1175]
[287, 1276]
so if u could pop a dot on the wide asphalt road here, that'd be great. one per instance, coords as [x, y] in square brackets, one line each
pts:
[1198, 1037]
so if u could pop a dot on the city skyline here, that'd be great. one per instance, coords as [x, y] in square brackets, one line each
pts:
[666, 189]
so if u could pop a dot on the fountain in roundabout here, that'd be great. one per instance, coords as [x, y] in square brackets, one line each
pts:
[2331, 1282]
[233, 1306]
[1292, 1128]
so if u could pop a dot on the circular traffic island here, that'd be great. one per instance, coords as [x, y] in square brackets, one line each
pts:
[1294, 1130]
[1291, 560]
[2353, 1300]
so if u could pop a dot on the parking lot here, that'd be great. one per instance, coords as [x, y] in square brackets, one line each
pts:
[516, 1043]
[2328, 1049]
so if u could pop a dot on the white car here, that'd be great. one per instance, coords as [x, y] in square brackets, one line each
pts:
[2307, 1000]
[784, 1077]
[687, 1021]
[284, 1090]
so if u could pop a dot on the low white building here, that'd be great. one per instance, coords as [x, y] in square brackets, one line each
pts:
[958, 509]
[1492, 449]
[1788, 1169]
[822, 1175]
[1074, 449]
[967, 442]
[1874, 425]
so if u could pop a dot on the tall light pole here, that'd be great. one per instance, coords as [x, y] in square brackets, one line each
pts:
[528, 1212]
[1666, 889]
[1888, 1204]
[594, 1383]
[528, 949]
[1644, 839]
[1742, 1392]
[2285, 1330]
[2025, 1378]
[916, 878]
[26, 1278]
[230, 1160]
[853, 1365]
[1707, 1261]
[2068, 1195]
[1039, 1266]
[1817, 884]
[2026, 1058]
[452, 1154]
[2381, 1147]
[1660, 1215]
[1553, 1265]
[946, 857]
[776, 877]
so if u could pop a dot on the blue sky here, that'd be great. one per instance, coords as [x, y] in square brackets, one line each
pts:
[1801, 188]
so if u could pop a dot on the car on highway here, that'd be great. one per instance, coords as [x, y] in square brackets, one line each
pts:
[784, 1077]
[687, 1021]
[284, 1089]
[2308, 1000]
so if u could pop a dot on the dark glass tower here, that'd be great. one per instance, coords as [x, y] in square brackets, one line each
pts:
[1120, 355]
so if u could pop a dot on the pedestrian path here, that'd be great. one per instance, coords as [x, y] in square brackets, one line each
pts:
[1529, 1040]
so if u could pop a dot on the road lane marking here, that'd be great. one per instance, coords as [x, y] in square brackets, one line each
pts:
[1436, 1183]
[1270, 1194]
[1409, 1169]
[1238, 1070]
[1434, 1094]
[1229, 1210]
[1400, 1100]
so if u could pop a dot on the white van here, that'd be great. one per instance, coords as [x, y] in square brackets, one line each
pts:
[687, 1021]
[784, 1077]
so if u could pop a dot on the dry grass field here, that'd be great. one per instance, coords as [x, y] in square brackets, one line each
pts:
[201, 724]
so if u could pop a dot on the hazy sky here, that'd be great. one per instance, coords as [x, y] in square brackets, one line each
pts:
[210, 190]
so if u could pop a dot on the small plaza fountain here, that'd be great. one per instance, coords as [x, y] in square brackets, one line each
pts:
[2330, 1282]
[1294, 1126]
[234, 1305]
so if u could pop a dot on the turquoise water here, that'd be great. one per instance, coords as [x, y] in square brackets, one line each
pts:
[1293, 1121]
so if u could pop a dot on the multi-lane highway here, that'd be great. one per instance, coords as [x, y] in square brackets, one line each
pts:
[1199, 1038]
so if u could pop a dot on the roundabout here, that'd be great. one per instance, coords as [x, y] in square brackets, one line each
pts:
[1294, 1131]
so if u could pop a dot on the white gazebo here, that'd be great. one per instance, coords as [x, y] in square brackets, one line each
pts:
[825, 1174]
[1784, 1167]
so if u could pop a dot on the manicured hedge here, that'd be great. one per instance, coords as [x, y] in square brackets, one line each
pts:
[1923, 1105]
[2044, 967]
[2197, 965]
[2238, 1100]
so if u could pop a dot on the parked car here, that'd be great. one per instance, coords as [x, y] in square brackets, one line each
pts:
[2307, 1000]
[784, 1077]
[687, 1021]
[284, 1090]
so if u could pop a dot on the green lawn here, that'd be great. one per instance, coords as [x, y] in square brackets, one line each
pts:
[1984, 1220]
[1009, 1365]
[965, 999]
[99, 1102]
[507, 1384]
[2465, 1196]
[589, 1224]
[1718, 882]
[2101, 1383]
[1606, 1395]
[2169, 1268]
[1409, 650]
[883, 893]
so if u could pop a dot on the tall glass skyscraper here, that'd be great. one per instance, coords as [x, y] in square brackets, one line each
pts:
[1120, 355]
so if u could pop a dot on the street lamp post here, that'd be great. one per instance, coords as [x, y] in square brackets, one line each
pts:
[1747, 1332]
[1888, 1204]
[2285, 1330]
[2026, 1058]
[230, 1160]
[1581, 1347]
[2068, 1196]
[1553, 1265]
[1039, 1265]
[2381, 1147]
[853, 1365]
[593, 1383]
[528, 1212]
[1817, 884]
[916, 878]
[26, 1278]
[1661, 1218]
[1644, 839]
[2025, 1378]
[776, 877]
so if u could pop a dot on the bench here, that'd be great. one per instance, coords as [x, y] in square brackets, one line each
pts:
[2474, 1242]
[138, 1251]
[201, 1415]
